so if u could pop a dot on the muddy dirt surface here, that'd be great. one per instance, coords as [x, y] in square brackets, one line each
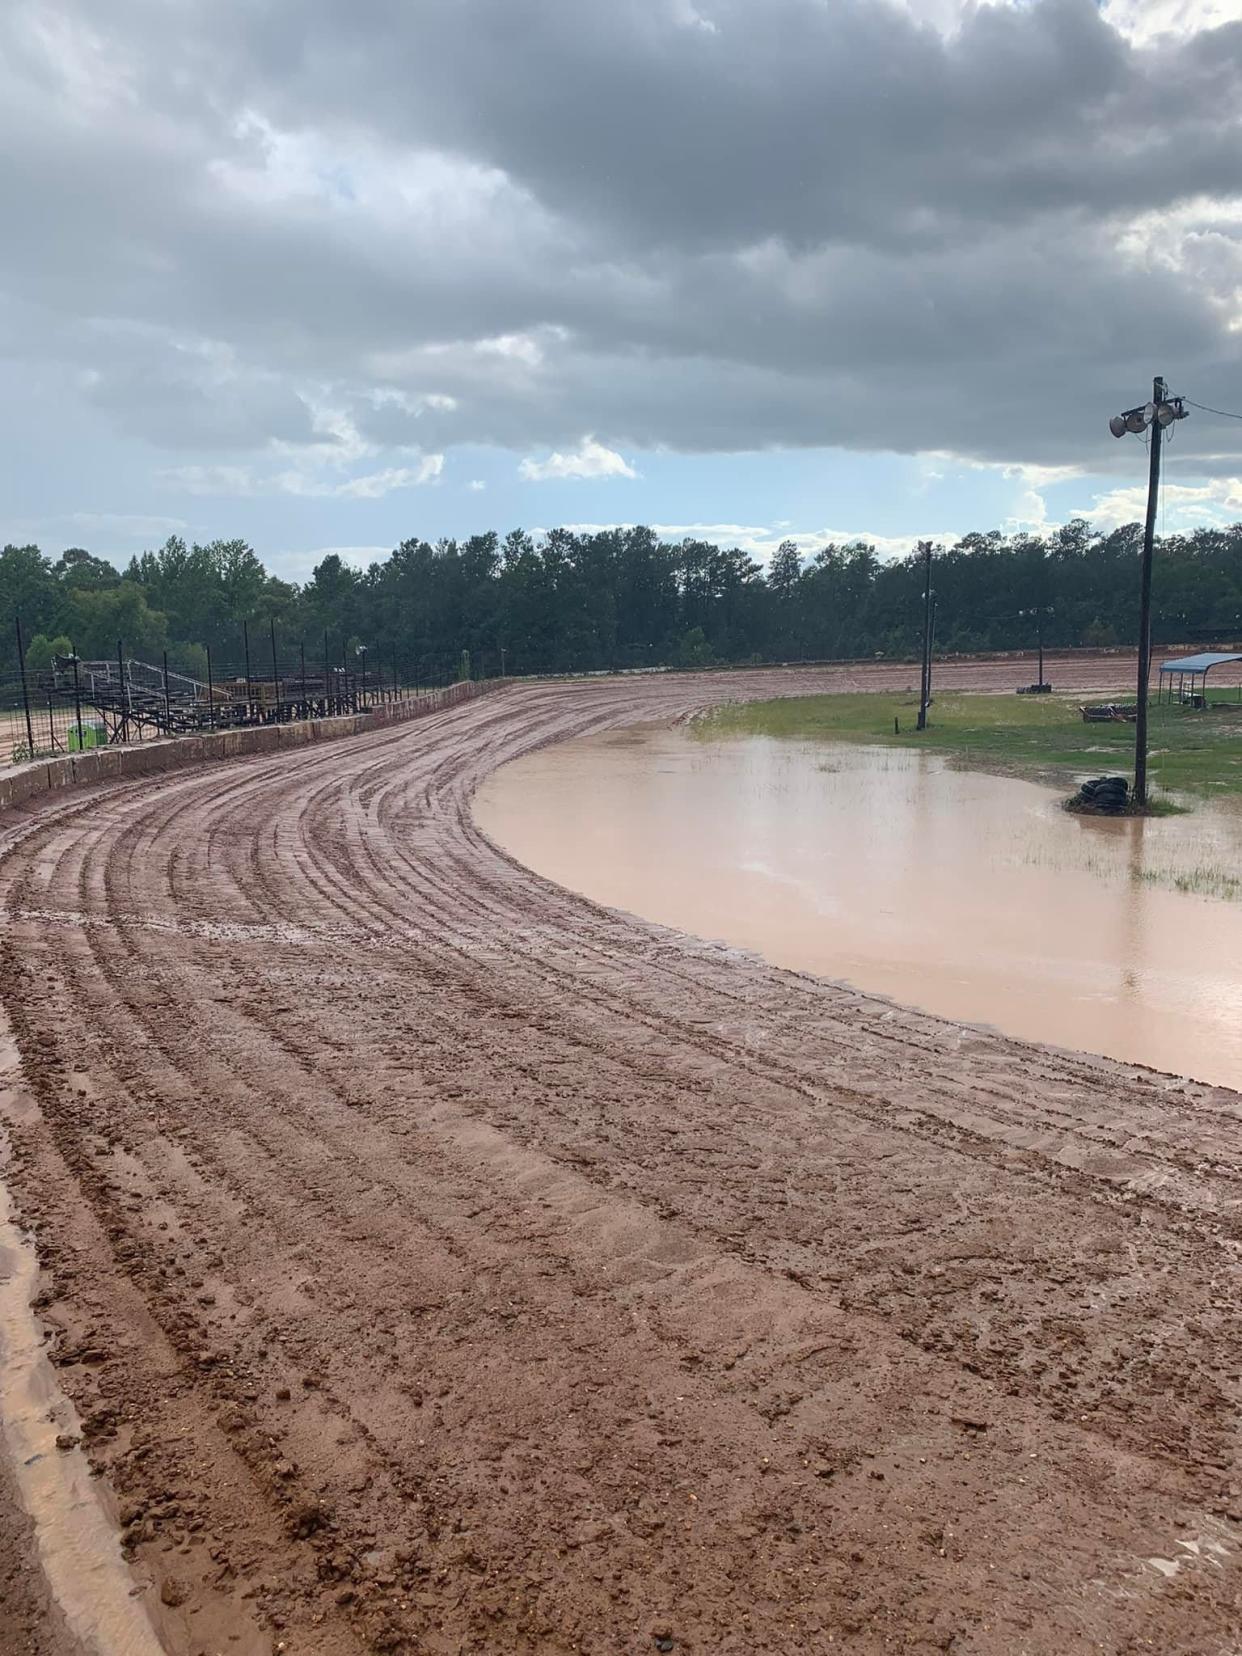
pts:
[441, 1263]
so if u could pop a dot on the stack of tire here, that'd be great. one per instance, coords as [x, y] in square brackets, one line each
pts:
[1108, 795]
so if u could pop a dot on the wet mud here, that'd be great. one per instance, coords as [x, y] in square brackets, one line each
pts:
[438, 1261]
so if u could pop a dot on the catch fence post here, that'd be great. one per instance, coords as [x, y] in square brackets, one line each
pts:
[123, 698]
[249, 692]
[21, 661]
[211, 693]
[275, 671]
[302, 697]
[77, 702]
[167, 704]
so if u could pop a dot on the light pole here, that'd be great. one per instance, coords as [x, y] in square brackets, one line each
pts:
[925, 547]
[1160, 412]
[1039, 611]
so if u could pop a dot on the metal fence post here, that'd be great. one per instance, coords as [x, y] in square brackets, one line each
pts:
[246, 648]
[211, 693]
[167, 703]
[77, 702]
[21, 661]
[271, 621]
[122, 696]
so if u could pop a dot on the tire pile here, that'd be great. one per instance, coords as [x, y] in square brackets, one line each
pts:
[1105, 796]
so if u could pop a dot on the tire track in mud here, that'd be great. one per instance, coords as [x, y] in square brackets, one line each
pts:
[550, 1281]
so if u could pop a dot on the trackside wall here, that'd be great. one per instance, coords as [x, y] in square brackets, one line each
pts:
[27, 782]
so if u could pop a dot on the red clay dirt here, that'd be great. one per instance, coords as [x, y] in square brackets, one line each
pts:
[442, 1263]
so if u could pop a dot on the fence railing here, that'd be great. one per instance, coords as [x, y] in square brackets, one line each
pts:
[72, 704]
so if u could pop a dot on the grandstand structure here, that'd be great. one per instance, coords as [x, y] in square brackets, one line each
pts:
[135, 698]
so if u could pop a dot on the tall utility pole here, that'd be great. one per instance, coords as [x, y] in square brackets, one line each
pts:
[1144, 649]
[1161, 411]
[925, 547]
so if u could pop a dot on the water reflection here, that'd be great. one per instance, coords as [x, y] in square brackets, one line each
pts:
[970, 895]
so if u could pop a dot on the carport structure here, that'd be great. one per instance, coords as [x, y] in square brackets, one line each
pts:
[1195, 668]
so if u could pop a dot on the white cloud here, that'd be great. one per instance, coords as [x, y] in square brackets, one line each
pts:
[686, 15]
[1182, 505]
[126, 523]
[415, 403]
[244, 482]
[1030, 514]
[476, 485]
[210, 480]
[1143, 21]
[524, 348]
[380, 483]
[589, 459]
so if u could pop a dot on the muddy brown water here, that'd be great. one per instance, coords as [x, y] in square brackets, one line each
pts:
[966, 894]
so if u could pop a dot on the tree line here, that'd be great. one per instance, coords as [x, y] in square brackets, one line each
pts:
[620, 598]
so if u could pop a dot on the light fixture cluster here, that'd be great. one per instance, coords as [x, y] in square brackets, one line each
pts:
[1137, 420]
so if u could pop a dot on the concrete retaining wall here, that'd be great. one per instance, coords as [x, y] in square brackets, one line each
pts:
[26, 782]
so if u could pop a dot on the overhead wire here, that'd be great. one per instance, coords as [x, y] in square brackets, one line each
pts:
[1203, 408]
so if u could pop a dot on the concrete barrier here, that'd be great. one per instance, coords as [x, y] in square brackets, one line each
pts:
[22, 785]
[136, 761]
[97, 765]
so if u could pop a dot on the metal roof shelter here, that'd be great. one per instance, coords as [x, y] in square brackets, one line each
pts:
[1195, 668]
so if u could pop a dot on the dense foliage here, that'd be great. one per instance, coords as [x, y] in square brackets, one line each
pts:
[621, 598]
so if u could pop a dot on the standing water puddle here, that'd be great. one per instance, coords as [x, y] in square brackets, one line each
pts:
[76, 1540]
[969, 895]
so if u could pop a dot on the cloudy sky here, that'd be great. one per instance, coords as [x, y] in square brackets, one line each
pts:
[327, 275]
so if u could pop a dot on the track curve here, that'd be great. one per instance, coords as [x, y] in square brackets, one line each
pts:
[441, 1262]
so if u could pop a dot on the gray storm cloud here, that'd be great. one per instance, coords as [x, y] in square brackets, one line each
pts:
[308, 228]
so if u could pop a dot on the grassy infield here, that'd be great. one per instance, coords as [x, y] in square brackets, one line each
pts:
[1195, 753]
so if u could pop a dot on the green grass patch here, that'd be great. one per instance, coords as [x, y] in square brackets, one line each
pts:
[1037, 736]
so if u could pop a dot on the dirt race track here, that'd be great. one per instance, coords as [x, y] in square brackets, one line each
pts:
[441, 1263]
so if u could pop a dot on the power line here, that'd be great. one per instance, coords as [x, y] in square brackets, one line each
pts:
[1203, 407]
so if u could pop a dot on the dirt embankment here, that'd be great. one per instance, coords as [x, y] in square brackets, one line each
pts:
[441, 1263]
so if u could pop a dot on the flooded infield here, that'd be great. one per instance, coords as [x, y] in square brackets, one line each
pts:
[966, 894]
